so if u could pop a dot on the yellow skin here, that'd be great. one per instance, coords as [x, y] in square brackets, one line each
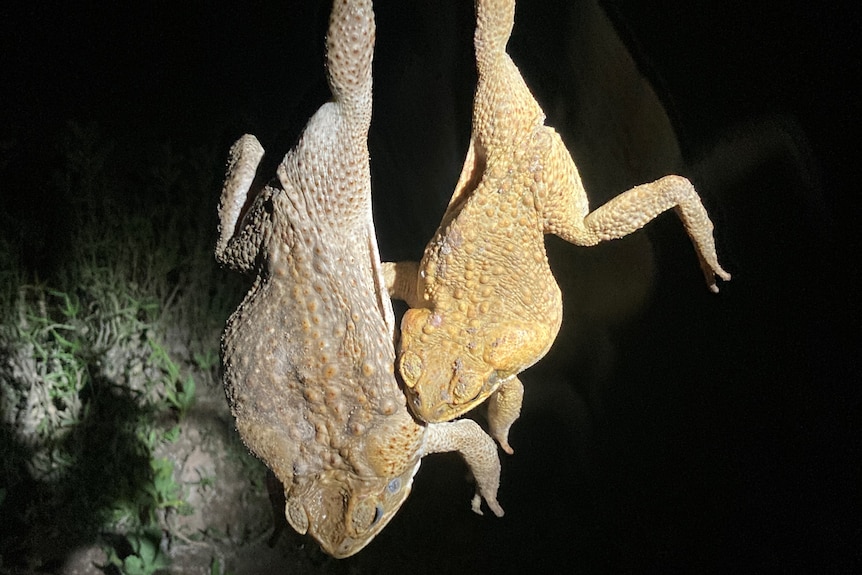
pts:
[484, 303]
[309, 354]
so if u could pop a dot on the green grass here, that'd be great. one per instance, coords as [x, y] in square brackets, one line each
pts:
[102, 349]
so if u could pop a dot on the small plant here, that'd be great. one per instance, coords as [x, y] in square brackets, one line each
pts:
[179, 392]
[143, 556]
[164, 491]
[99, 356]
[216, 568]
[206, 361]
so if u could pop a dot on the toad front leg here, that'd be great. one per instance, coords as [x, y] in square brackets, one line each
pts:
[504, 407]
[478, 450]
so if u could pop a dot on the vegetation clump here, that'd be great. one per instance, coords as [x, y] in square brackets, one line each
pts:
[110, 311]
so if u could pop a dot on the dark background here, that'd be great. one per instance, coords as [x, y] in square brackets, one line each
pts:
[717, 433]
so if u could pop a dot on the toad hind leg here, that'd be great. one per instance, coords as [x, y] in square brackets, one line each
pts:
[565, 208]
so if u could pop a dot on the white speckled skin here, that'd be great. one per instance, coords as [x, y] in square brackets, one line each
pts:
[485, 303]
[308, 355]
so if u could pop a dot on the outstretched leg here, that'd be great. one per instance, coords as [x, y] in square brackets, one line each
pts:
[629, 212]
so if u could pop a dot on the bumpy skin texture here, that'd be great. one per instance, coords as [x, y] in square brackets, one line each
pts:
[485, 304]
[308, 355]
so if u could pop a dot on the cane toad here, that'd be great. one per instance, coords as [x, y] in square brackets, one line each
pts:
[309, 353]
[485, 305]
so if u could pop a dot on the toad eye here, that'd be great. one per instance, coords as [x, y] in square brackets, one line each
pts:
[411, 368]
[394, 485]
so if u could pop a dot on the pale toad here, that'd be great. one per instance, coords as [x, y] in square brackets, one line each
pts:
[484, 302]
[308, 355]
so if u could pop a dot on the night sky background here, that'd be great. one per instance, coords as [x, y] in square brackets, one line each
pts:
[724, 432]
